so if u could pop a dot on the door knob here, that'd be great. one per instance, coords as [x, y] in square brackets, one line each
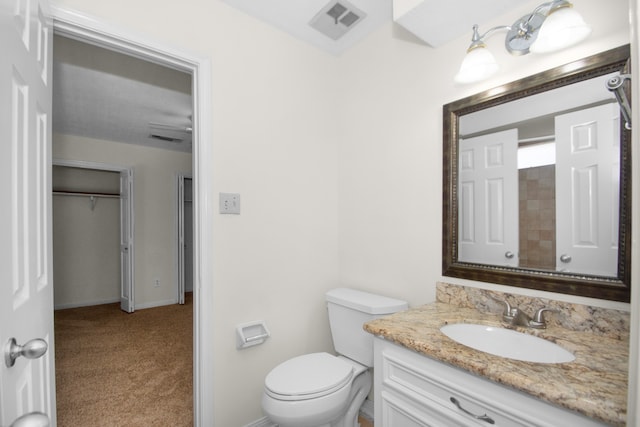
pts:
[565, 258]
[31, 350]
[32, 419]
[509, 255]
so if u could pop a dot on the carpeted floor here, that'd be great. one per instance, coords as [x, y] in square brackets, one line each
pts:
[117, 369]
[364, 422]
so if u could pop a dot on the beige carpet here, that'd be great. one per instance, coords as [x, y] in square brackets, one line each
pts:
[364, 422]
[117, 369]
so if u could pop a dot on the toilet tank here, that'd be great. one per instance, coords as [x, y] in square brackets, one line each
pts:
[349, 310]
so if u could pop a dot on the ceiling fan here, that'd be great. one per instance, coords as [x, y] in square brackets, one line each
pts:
[170, 133]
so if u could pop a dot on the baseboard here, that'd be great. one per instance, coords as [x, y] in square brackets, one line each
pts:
[262, 422]
[367, 409]
[111, 301]
[155, 304]
[85, 304]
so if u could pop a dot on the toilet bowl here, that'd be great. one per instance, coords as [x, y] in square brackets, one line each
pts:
[315, 390]
[323, 390]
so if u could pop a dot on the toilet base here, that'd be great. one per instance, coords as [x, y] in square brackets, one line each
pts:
[360, 390]
[348, 416]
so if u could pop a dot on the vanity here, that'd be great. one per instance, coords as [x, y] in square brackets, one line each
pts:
[425, 378]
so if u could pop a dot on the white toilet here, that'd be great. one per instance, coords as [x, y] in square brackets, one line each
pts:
[322, 390]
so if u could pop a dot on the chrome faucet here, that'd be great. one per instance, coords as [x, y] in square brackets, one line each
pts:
[538, 321]
[516, 317]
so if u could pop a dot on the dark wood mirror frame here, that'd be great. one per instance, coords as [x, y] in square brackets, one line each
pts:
[610, 288]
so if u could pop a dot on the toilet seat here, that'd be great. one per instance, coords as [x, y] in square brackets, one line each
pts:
[308, 377]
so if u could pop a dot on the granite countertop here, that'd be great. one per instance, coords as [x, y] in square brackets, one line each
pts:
[594, 384]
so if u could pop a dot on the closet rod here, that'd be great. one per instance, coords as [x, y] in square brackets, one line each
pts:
[80, 193]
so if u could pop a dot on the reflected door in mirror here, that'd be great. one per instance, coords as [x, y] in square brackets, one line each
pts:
[587, 176]
[489, 199]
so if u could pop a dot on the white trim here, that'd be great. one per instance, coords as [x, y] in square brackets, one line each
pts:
[633, 393]
[85, 303]
[91, 30]
[262, 422]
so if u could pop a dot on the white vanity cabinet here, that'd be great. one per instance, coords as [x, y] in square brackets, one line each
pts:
[413, 390]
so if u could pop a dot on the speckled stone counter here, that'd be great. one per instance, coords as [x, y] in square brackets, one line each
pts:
[594, 384]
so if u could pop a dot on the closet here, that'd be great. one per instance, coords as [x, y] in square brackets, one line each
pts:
[86, 236]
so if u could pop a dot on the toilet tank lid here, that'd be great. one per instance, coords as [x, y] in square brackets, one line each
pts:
[365, 301]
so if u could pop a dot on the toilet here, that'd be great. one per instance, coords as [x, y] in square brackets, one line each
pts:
[323, 390]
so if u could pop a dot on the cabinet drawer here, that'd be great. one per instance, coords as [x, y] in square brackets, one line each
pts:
[399, 412]
[411, 382]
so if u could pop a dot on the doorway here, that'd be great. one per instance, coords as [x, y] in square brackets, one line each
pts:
[93, 242]
[196, 297]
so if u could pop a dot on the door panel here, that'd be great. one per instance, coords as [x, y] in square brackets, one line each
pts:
[26, 288]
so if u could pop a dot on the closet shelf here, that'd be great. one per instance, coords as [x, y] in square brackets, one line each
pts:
[93, 197]
[84, 194]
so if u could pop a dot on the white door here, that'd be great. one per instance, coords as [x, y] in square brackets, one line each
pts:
[488, 199]
[188, 234]
[587, 190]
[185, 236]
[127, 300]
[181, 243]
[26, 287]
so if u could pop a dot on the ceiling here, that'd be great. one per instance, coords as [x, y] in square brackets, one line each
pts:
[435, 22]
[293, 17]
[102, 94]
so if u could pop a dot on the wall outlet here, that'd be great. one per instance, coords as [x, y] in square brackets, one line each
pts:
[230, 203]
[156, 283]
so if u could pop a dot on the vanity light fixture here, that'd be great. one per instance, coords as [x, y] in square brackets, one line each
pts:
[550, 27]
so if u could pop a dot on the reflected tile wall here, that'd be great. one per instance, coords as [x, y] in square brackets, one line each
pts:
[537, 222]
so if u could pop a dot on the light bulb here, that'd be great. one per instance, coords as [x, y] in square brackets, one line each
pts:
[563, 27]
[478, 64]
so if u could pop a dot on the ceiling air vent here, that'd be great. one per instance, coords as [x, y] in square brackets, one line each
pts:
[337, 18]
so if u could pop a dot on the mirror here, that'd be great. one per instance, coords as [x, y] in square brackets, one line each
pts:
[536, 183]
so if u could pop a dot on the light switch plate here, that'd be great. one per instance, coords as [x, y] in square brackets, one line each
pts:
[230, 203]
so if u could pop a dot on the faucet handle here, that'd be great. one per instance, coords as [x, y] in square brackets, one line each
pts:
[538, 317]
[508, 312]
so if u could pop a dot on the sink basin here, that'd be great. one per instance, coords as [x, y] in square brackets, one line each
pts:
[507, 343]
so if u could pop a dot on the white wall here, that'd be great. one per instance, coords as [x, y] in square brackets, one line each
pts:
[155, 203]
[274, 142]
[338, 162]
